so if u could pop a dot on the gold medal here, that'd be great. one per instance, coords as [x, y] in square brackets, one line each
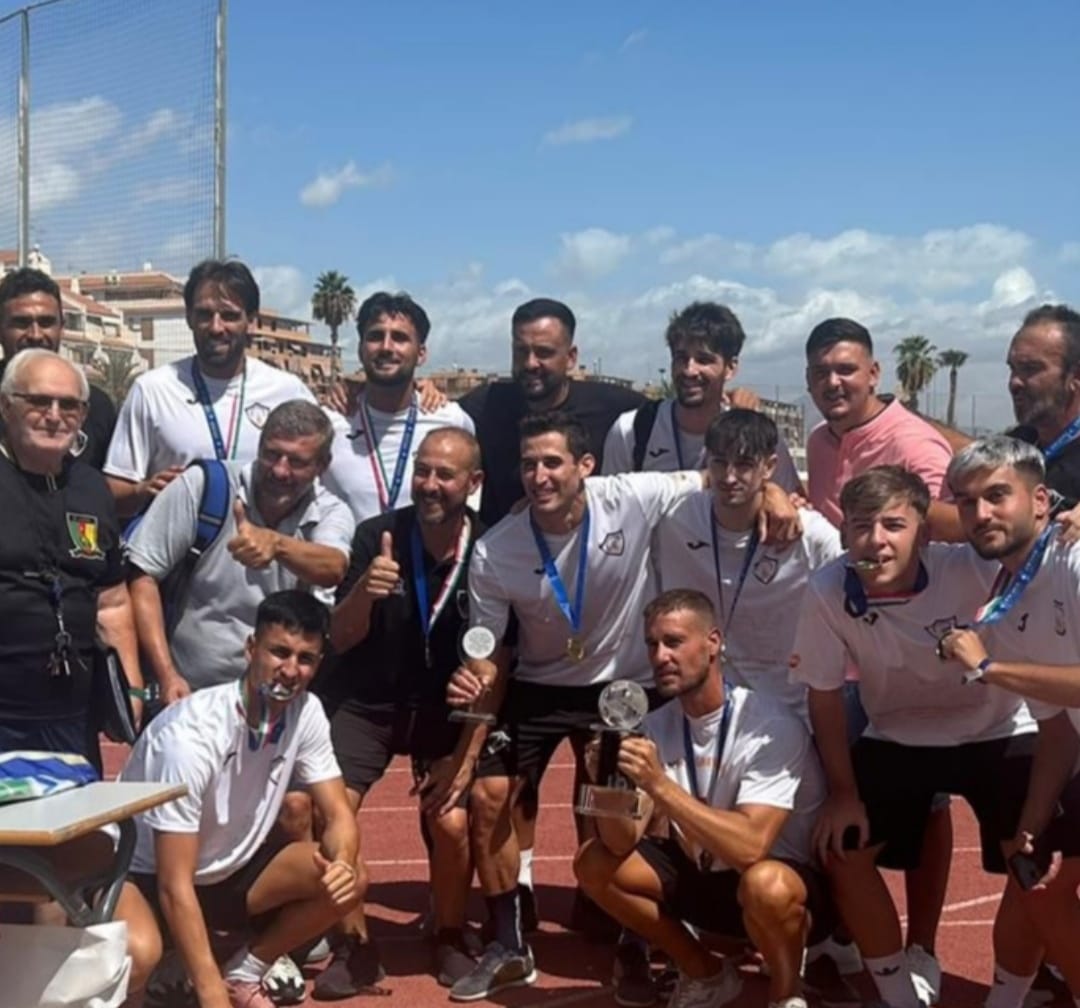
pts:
[575, 648]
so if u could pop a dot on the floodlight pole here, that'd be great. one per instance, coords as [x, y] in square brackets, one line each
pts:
[24, 142]
[219, 129]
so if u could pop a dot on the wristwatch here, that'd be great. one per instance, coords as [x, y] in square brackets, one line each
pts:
[976, 674]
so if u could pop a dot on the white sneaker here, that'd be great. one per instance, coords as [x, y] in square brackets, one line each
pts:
[318, 952]
[845, 955]
[791, 1002]
[925, 974]
[284, 983]
[712, 992]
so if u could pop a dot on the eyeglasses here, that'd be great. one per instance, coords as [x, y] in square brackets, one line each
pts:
[24, 322]
[43, 403]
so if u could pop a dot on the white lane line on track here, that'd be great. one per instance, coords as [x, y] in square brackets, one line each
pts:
[963, 905]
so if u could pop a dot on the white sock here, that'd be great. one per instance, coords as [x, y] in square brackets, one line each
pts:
[525, 869]
[1008, 990]
[893, 980]
[245, 966]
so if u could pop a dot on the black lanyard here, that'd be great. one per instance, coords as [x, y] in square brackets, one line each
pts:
[691, 763]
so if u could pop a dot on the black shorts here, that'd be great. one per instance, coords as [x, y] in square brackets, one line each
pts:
[535, 719]
[224, 903]
[366, 739]
[897, 784]
[709, 899]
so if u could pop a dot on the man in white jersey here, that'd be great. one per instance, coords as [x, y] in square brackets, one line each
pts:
[574, 570]
[1027, 640]
[735, 774]
[210, 861]
[373, 458]
[884, 606]
[210, 405]
[710, 542]
[705, 340]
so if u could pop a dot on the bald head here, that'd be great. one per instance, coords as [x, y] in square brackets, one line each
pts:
[446, 472]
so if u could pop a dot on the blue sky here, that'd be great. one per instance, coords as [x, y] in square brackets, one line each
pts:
[910, 165]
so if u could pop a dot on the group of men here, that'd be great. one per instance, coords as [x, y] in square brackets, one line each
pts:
[813, 707]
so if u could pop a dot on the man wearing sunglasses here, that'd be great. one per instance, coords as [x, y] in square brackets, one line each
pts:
[32, 315]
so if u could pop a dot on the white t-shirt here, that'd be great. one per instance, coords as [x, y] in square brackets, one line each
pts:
[910, 695]
[768, 759]
[162, 423]
[758, 639]
[351, 474]
[234, 795]
[506, 572]
[664, 449]
[1044, 624]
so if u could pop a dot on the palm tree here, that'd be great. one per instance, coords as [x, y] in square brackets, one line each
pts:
[953, 360]
[114, 371]
[332, 302]
[915, 366]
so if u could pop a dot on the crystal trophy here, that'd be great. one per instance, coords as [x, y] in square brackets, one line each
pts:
[477, 645]
[622, 707]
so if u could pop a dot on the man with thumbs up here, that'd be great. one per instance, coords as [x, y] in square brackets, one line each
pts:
[283, 530]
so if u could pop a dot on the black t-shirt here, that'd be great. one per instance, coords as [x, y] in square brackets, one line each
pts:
[497, 409]
[66, 525]
[1063, 471]
[388, 669]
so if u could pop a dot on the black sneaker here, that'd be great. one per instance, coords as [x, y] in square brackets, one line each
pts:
[530, 919]
[452, 962]
[497, 969]
[354, 969]
[632, 976]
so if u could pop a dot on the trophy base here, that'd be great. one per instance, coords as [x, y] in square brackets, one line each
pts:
[609, 802]
[472, 717]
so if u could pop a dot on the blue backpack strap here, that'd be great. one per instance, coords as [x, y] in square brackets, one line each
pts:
[213, 505]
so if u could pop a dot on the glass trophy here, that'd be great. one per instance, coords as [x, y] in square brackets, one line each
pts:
[622, 707]
[477, 645]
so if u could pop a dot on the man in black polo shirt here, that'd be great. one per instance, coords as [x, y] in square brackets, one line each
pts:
[32, 315]
[1044, 382]
[396, 634]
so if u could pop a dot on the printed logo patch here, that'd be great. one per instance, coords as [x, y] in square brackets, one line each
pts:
[83, 529]
[1059, 618]
[257, 413]
[765, 569]
[940, 627]
[613, 543]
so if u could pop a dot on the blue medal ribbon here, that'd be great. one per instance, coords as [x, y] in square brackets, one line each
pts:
[705, 859]
[1002, 598]
[388, 495]
[572, 612]
[1062, 441]
[751, 549]
[429, 614]
[202, 393]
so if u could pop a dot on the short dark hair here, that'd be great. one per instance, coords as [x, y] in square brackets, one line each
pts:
[742, 433]
[384, 303]
[1059, 314]
[678, 600]
[232, 275]
[294, 610]
[299, 418]
[27, 280]
[710, 324]
[577, 438]
[871, 491]
[827, 334]
[541, 308]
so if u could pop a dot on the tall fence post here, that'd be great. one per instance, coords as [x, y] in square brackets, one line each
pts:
[24, 142]
[219, 129]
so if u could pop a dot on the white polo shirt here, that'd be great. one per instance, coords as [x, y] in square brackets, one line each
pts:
[663, 449]
[1044, 625]
[910, 695]
[351, 474]
[234, 794]
[768, 759]
[506, 572]
[759, 638]
[162, 423]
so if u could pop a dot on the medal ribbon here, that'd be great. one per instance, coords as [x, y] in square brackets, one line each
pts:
[751, 549]
[388, 497]
[267, 731]
[202, 393]
[428, 616]
[571, 612]
[1003, 599]
[1061, 442]
[688, 749]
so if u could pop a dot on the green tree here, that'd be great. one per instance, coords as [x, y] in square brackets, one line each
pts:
[332, 302]
[915, 366]
[953, 360]
[114, 371]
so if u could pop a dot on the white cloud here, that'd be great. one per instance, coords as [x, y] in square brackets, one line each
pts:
[285, 289]
[635, 38]
[591, 253]
[588, 130]
[328, 187]
[1013, 287]
[178, 189]
[712, 249]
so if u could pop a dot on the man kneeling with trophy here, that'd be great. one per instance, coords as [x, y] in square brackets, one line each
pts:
[737, 777]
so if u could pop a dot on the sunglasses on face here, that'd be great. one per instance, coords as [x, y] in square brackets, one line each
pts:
[23, 322]
[43, 403]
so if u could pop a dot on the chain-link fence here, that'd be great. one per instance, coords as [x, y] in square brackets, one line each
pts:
[121, 116]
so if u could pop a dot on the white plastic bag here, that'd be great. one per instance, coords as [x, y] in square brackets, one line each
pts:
[44, 966]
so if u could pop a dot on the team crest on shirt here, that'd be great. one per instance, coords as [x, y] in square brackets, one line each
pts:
[257, 413]
[461, 600]
[940, 627]
[83, 529]
[613, 543]
[765, 569]
[1059, 618]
